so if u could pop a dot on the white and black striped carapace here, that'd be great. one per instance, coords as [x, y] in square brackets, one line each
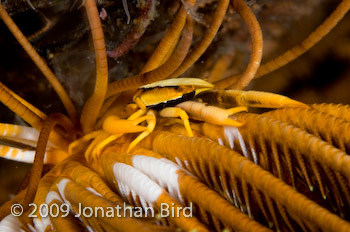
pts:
[170, 92]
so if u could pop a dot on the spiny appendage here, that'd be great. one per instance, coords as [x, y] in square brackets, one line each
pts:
[337, 110]
[252, 99]
[310, 154]
[334, 130]
[213, 157]
[211, 114]
[150, 192]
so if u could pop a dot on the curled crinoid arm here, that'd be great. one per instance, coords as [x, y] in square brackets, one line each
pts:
[23, 102]
[36, 170]
[249, 99]
[28, 113]
[162, 71]
[257, 43]
[211, 114]
[205, 41]
[93, 106]
[297, 50]
[171, 36]
[20, 107]
[309, 42]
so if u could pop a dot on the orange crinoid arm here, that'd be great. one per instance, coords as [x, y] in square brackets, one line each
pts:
[257, 43]
[206, 40]
[309, 42]
[297, 50]
[37, 168]
[22, 108]
[94, 104]
[168, 41]
[40, 63]
[162, 71]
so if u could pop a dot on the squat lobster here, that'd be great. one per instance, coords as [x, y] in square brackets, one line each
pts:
[164, 96]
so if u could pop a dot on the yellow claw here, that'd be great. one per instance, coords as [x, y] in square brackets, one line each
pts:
[231, 122]
[211, 114]
[98, 148]
[114, 125]
[177, 112]
[236, 110]
[150, 127]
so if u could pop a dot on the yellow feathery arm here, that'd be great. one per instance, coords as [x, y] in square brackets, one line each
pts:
[94, 104]
[19, 108]
[257, 43]
[206, 39]
[40, 63]
[298, 50]
[160, 73]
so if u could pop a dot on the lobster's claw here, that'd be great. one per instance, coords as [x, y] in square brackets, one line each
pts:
[115, 125]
